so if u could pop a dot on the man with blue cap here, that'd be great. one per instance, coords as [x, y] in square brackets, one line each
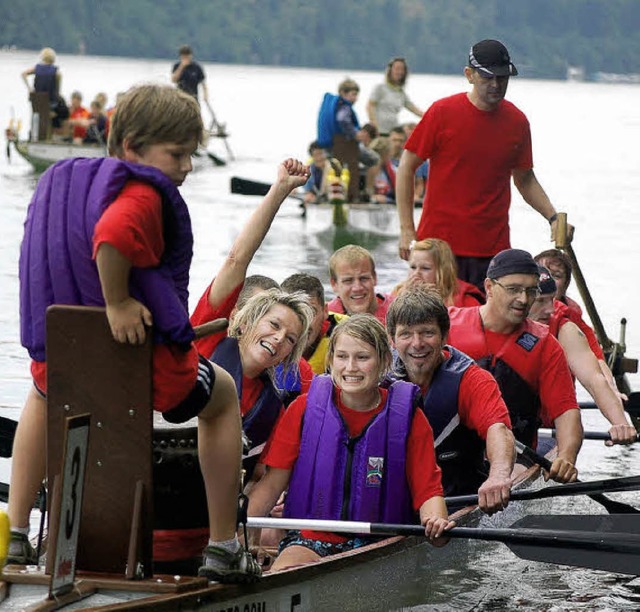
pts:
[526, 360]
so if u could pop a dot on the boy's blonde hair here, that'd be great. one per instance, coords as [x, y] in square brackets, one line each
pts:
[154, 114]
[349, 254]
[367, 329]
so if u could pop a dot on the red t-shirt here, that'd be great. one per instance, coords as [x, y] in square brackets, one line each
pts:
[423, 473]
[471, 156]
[480, 403]
[79, 131]
[133, 225]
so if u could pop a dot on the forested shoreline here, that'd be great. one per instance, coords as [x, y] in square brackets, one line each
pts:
[545, 37]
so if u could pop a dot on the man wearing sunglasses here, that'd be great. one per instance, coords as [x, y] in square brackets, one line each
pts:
[528, 362]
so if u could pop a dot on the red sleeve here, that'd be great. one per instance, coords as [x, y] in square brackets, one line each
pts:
[557, 391]
[306, 375]
[133, 225]
[422, 140]
[205, 313]
[423, 474]
[284, 444]
[480, 402]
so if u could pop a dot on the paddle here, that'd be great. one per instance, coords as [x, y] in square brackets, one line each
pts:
[588, 435]
[244, 186]
[603, 542]
[220, 130]
[609, 485]
[611, 506]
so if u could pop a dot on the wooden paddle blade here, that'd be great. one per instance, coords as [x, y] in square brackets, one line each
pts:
[7, 434]
[248, 187]
[606, 542]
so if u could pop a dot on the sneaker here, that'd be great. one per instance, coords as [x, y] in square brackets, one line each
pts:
[233, 567]
[20, 550]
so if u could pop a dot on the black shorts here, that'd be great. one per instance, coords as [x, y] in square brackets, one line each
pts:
[198, 398]
[473, 270]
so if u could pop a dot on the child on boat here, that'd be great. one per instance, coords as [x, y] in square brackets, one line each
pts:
[348, 427]
[124, 240]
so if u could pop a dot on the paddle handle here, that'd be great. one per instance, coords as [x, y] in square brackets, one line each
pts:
[588, 435]
[211, 327]
[562, 242]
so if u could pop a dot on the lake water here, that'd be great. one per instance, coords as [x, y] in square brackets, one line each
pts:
[585, 139]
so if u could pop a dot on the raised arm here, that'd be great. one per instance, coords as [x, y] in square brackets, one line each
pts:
[587, 370]
[535, 196]
[291, 174]
[405, 187]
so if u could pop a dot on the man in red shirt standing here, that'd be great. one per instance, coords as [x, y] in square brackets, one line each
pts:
[526, 360]
[475, 142]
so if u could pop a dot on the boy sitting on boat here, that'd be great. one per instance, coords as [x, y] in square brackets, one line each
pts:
[125, 241]
[350, 450]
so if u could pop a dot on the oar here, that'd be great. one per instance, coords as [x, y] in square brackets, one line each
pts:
[221, 132]
[588, 435]
[603, 542]
[244, 186]
[609, 485]
[611, 506]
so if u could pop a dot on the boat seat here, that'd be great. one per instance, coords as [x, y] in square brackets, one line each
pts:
[89, 372]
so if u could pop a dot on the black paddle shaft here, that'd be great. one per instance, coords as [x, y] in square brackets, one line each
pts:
[611, 506]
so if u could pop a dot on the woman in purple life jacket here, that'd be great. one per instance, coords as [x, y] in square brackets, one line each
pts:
[351, 450]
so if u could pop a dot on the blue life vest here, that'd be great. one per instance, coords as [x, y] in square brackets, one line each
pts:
[45, 81]
[359, 479]
[56, 263]
[328, 125]
[258, 422]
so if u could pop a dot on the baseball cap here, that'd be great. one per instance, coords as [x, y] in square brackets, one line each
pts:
[491, 58]
[546, 283]
[512, 261]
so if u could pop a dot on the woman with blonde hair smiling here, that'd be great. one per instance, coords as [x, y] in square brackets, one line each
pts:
[432, 263]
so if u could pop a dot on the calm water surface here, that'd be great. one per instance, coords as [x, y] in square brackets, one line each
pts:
[585, 140]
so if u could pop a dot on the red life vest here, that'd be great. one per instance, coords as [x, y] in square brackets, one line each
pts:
[516, 365]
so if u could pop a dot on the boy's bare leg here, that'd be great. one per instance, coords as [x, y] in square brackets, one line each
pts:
[28, 463]
[219, 450]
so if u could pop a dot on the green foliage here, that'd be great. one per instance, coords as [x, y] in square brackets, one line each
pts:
[544, 36]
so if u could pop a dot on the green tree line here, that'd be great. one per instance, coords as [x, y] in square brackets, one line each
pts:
[544, 36]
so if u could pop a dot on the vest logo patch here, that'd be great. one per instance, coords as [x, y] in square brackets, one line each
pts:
[527, 341]
[375, 469]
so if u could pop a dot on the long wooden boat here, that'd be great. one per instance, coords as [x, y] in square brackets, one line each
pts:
[43, 154]
[382, 575]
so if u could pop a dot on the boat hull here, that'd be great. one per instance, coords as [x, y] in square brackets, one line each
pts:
[41, 155]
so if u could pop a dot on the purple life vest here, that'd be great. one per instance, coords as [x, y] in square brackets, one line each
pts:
[359, 479]
[56, 265]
